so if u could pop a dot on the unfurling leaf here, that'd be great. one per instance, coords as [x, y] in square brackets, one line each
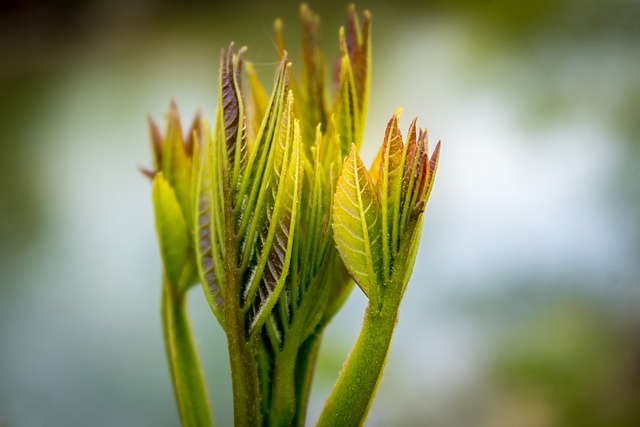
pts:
[246, 205]
[352, 76]
[210, 242]
[312, 109]
[402, 177]
[232, 111]
[346, 118]
[276, 239]
[359, 49]
[356, 224]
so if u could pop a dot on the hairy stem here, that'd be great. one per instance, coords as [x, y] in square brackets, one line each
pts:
[186, 374]
[242, 359]
[283, 403]
[242, 351]
[355, 389]
[244, 378]
[305, 367]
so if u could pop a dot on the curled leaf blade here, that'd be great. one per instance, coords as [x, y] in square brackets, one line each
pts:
[248, 197]
[209, 236]
[276, 254]
[232, 111]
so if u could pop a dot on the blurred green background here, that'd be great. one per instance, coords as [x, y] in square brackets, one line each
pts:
[523, 306]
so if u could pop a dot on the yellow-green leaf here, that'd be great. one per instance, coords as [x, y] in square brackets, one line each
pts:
[259, 101]
[176, 163]
[356, 224]
[389, 185]
[346, 117]
[171, 228]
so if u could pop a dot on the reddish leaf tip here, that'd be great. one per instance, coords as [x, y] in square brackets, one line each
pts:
[147, 172]
[174, 113]
[435, 155]
[173, 106]
[156, 140]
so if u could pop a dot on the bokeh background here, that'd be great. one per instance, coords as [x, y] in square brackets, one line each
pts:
[523, 309]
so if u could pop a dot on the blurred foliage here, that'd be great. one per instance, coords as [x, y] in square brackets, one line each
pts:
[573, 364]
[21, 207]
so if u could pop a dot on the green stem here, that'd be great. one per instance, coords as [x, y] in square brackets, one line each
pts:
[292, 374]
[283, 402]
[244, 379]
[242, 354]
[355, 389]
[265, 372]
[186, 374]
[305, 367]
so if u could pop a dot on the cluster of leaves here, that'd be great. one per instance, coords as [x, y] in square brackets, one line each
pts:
[267, 208]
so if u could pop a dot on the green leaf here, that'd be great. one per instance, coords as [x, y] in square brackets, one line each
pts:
[194, 144]
[176, 163]
[316, 243]
[247, 206]
[346, 117]
[408, 251]
[359, 49]
[311, 97]
[389, 186]
[418, 176]
[171, 228]
[258, 104]
[209, 237]
[327, 162]
[414, 165]
[275, 246]
[356, 224]
[353, 82]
